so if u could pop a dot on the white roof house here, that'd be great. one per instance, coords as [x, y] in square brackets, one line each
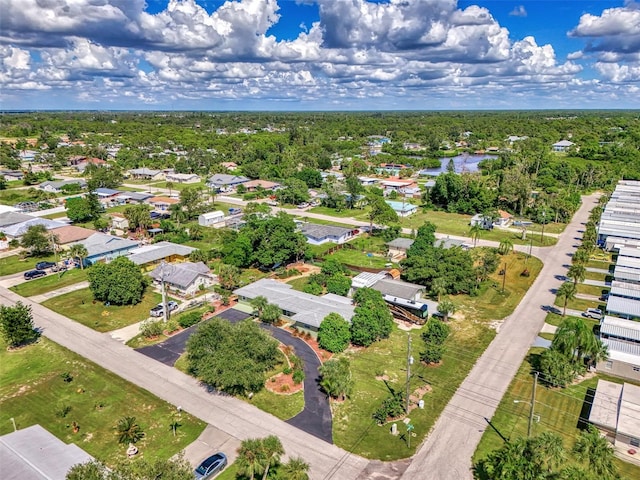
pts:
[303, 308]
[616, 410]
[626, 307]
[159, 251]
[209, 219]
[562, 145]
[183, 177]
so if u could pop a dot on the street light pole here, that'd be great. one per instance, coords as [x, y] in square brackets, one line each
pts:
[544, 221]
[533, 403]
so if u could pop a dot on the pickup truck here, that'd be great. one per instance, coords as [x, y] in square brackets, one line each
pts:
[158, 310]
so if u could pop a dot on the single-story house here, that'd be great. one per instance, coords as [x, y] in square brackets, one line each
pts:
[304, 309]
[119, 221]
[183, 178]
[402, 209]
[615, 411]
[56, 186]
[504, 219]
[103, 247]
[16, 230]
[319, 234]
[484, 222]
[33, 453]
[447, 243]
[562, 146]
[231, 166]
[161, 203]
[10, 175]
[628, 308]
[70, 234]
[82, 164]
[398, 248]
[225, 183]
[147, 174]
[156, 252]
[253, 185]
[10, 216]
[396, 184]
[622, 338]
[133, 197]
[185, 278]
[367, 181]
[107, 195]
[212, 219]
[393, 289]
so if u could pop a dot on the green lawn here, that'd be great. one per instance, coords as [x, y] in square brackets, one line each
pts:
[606, 265]
[15, 263]
[601, 277]
[33, 392]
[592, 289]
[458, 224]
[282, 406]
[52, 281]
[299, 283]
[580, 304]
[179, 186]
[559, 411]
[357, 213]
[140, 341]
[13, 196]
[359, 258]
[553, 319]
[53, 216]
[81, 307]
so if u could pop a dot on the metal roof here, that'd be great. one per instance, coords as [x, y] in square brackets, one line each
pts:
[626, 273]
[623, 306]
[620, 328]
[629, 262]
[11, 218]
[158, 251]
[398, 288]
[629, 252]
[137, 196]
[35, 454]
[624, 289]
[101, 243]
[622, 351]
[303, 307]
[366, 279]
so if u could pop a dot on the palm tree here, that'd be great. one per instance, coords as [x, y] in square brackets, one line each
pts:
[295, 469]
[567, 292]
[80, 252]
[446, 307]
[580, 256]
[259, 304]
[574, 337]
[251, 460]
[597, 452]
[577, 272]
[169, 185]
[128, 430]
[505, 247]
[474, 233]
[273, 450]
[598, 352]
[439, 287]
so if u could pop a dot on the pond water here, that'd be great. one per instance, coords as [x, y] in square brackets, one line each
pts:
[463, 163]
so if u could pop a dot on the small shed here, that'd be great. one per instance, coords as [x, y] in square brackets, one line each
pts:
[212, 219]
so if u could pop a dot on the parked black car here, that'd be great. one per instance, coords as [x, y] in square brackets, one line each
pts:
[44, 265]
[31, 274]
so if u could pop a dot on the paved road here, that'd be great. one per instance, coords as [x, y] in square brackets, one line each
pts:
[447, 452]
[315, 418]
[234, 417]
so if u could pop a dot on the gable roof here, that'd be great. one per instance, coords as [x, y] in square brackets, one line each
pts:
[397, 288]
[19, 229]
[224, 179]
[106, 192]
[137, 196]
[563, 143]
[101, 243]
[401, 243]
[11, 218]
[317, 231]
[144, 171]
[181, 275]
[58, 184]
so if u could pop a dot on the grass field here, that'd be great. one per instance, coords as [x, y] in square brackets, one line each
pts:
[356, 431]
[282, 406]
[601, 277]
[52, 281]
[559, 411]
[15, 263]
[592, 290]
[13, 196]
[33, 392]
[580, 304]
[80, 306]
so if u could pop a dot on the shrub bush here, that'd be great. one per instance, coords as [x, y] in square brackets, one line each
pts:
[392, 407]
[298, 376]
[187, 320]
[151, 328]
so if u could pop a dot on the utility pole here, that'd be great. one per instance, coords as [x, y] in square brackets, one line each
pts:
[504, 276]
[544, 221]
[164, 293]
[409, 363]
[533, 403]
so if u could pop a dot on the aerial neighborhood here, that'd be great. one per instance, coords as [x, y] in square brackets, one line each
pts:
[292, 296]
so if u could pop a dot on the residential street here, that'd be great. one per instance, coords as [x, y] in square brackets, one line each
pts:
[447, 452]
[234, 417]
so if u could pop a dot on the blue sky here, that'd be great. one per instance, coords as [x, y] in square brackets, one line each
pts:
[319, 54]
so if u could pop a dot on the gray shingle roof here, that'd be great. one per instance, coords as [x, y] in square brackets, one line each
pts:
[221, 179]
[401, 243]
[398, 288]
[101, 243]
[316, 231]
[182, 275]
[11, 218]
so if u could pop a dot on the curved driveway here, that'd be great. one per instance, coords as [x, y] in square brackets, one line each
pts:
[315, 418]
[234, 417]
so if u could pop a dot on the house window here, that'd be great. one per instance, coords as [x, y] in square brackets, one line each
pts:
[634, 442]
[608, 365]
